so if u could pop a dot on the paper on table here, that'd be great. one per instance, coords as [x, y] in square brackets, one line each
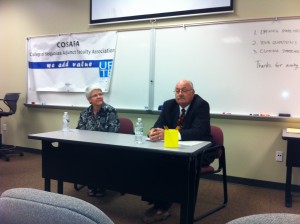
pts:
[293, 130]
[189, 143]
[148, 139]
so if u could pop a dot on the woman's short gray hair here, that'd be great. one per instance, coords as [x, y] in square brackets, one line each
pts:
[90, 89]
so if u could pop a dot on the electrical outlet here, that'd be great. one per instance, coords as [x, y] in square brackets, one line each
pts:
[279, 156]
[4, 127]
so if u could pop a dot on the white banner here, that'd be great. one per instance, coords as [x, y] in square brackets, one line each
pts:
[71, 62]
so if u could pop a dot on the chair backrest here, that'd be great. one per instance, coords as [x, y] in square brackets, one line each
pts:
[216, 151]
[27, 205]
[217, 139]
[11, 99]
[126, 126]
[217, 135]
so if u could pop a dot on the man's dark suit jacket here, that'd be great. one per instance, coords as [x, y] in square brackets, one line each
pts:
[196, 125]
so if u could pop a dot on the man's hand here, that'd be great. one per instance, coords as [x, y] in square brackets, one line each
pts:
[156, 134]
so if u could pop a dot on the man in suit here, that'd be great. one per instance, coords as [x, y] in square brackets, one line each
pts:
[188, 113]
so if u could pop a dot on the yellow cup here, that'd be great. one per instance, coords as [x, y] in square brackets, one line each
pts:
[171, 138]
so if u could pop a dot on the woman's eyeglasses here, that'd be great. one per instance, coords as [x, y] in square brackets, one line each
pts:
[95, 95]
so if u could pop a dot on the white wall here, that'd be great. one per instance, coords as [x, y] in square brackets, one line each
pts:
[250, 145]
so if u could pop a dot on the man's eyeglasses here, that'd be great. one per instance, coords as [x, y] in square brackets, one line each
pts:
[177, 91]
[95, 95]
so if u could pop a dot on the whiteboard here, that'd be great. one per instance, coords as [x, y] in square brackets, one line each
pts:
[240, 67]
[130, 79]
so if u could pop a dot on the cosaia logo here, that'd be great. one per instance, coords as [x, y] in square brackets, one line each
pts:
[67, 44]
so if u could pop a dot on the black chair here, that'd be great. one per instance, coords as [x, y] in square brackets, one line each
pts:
[218, 150]
[10, 100]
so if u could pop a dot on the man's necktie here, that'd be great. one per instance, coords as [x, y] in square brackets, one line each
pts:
[180, 119]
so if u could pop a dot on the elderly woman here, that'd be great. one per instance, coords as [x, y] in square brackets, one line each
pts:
[99, 116]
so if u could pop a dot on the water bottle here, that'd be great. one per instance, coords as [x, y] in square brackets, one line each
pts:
[65, 122]
[139, 131]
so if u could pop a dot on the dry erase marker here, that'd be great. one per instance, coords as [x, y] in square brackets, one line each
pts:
[254, 114]
[264, 115]
[284, 115]
[226, 113]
